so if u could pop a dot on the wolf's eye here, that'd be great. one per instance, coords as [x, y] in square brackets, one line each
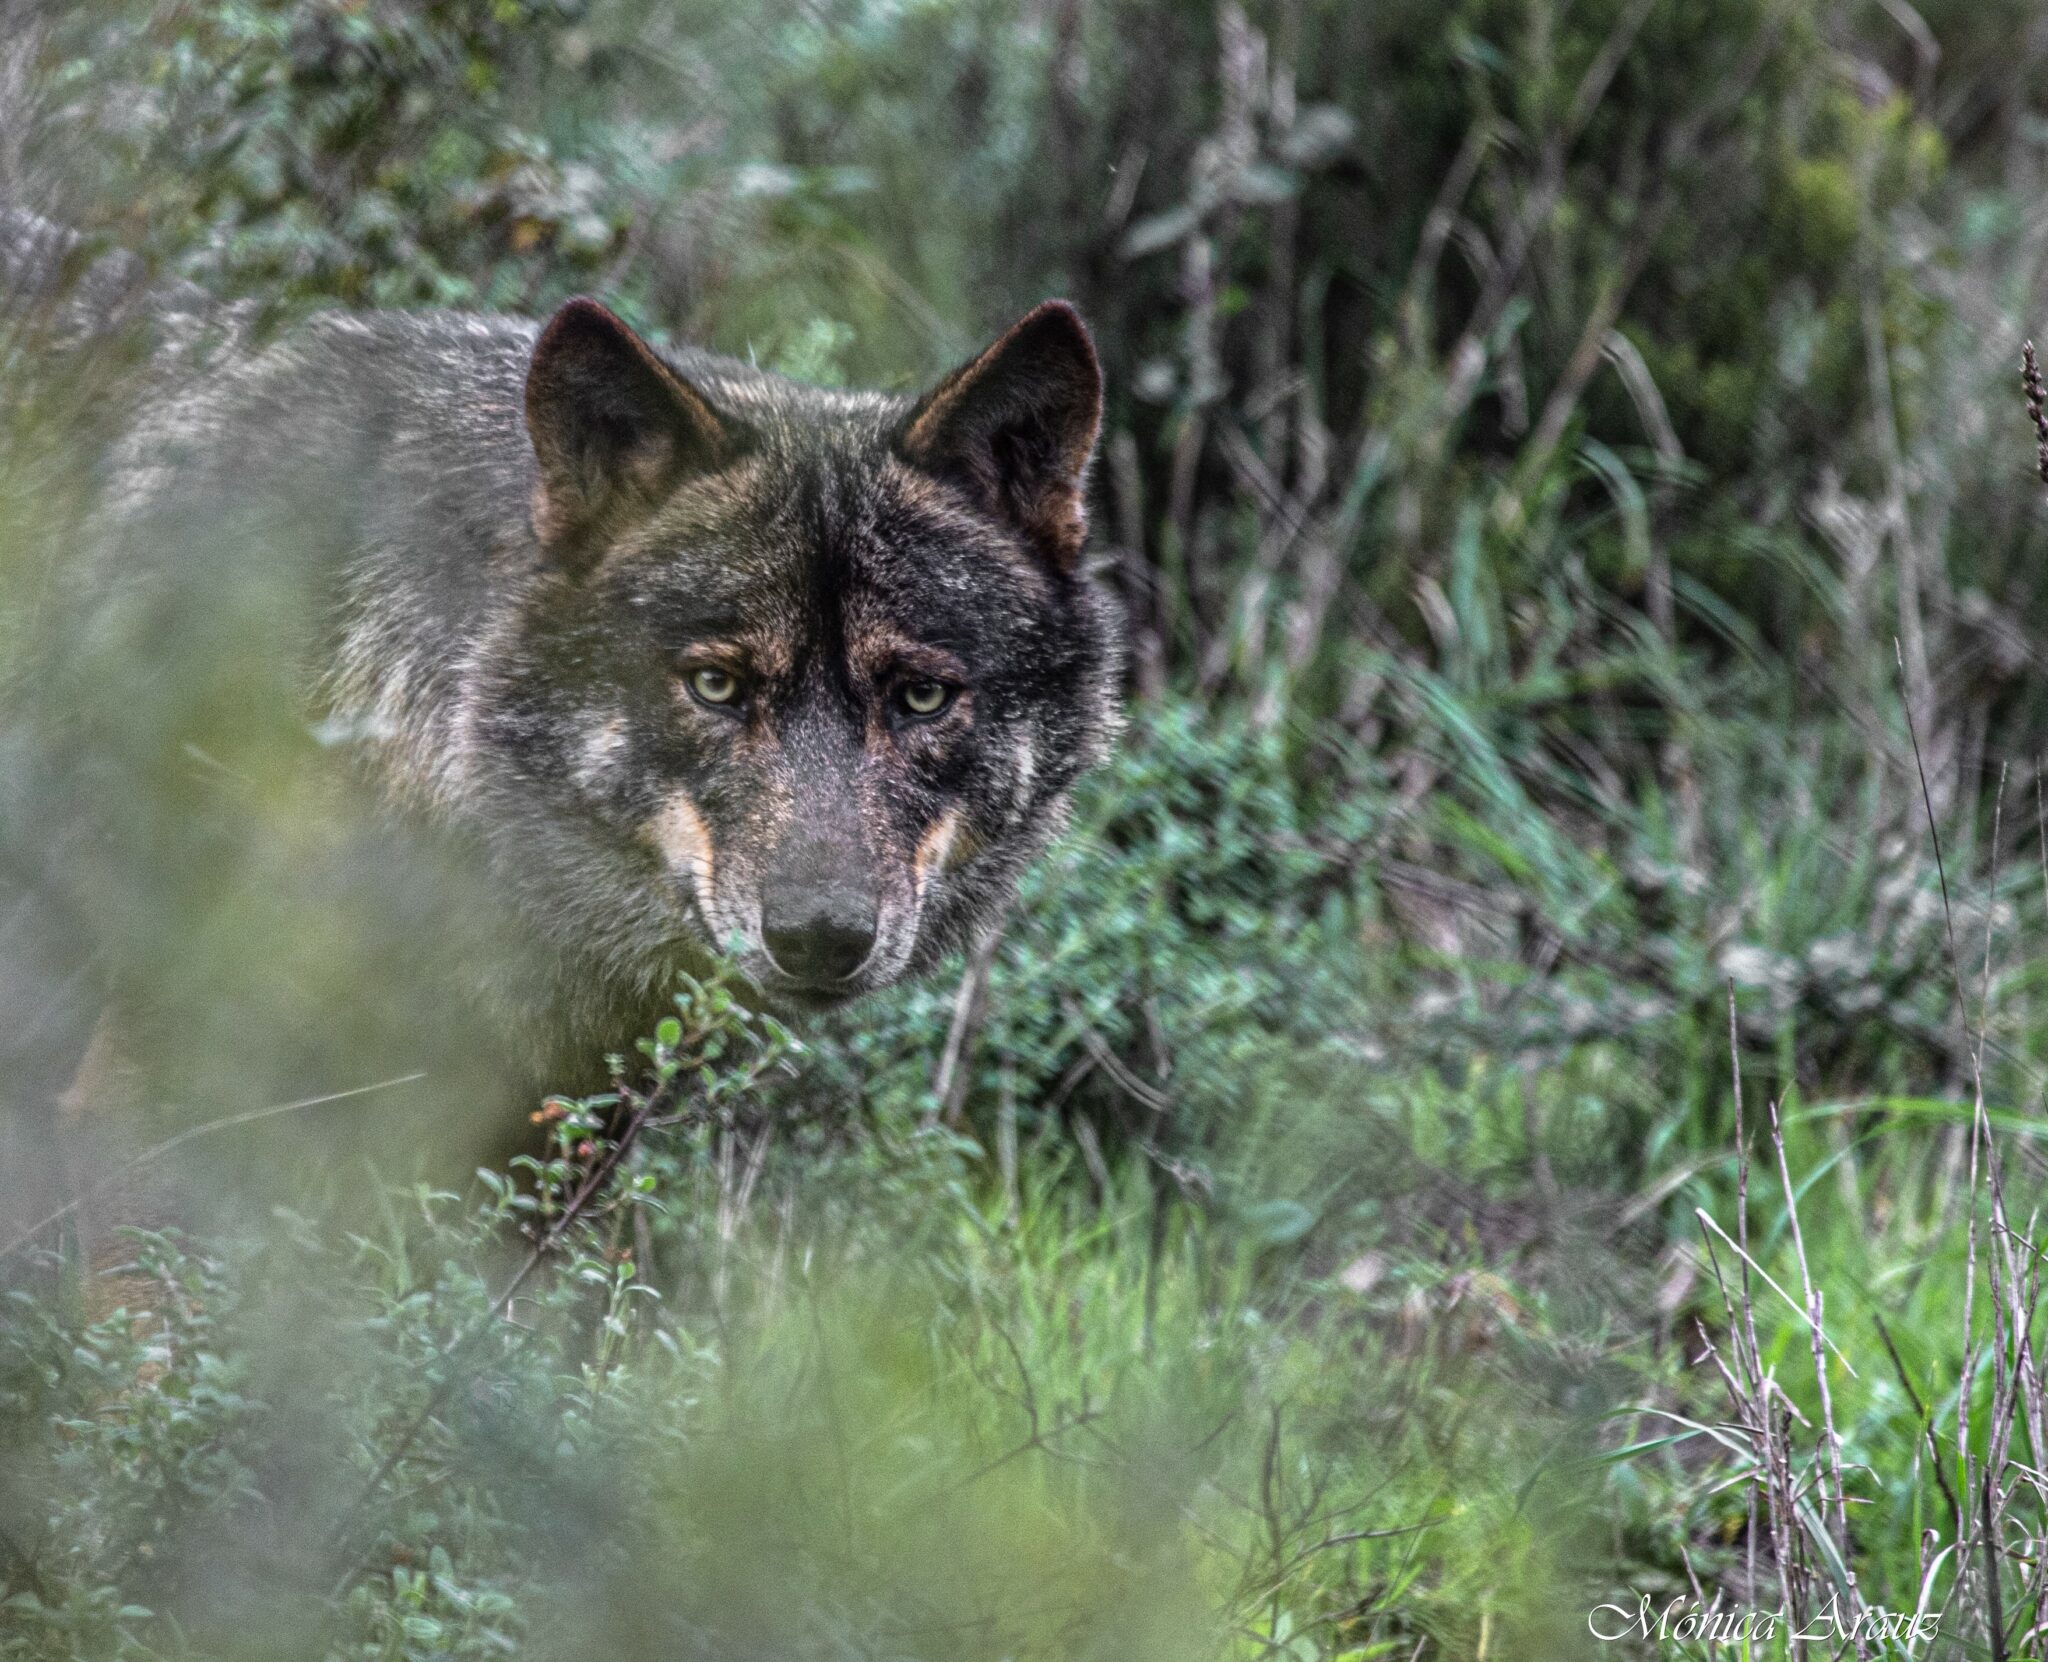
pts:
[924, 698]
[714, 686]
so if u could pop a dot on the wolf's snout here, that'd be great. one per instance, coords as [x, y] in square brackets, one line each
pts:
[819, 937]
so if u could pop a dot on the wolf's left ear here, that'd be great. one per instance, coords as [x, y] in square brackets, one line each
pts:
[614, 428]
[1015, 427]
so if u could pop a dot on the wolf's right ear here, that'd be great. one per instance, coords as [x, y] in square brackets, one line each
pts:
[614, 428]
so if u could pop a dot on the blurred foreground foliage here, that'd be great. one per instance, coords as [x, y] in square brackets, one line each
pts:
[1533, 424]
[862, 1410]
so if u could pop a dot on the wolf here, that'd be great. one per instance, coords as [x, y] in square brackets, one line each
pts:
[664, 656]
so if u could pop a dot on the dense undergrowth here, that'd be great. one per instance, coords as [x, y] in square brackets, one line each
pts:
[1534, 425]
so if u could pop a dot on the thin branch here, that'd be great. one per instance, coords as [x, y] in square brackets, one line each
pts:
[655, 1102]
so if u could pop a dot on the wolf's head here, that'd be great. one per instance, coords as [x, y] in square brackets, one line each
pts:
[818, 670]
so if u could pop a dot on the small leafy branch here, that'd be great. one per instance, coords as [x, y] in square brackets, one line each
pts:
[589, 1143]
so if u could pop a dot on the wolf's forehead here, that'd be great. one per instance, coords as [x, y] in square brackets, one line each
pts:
[839, 535]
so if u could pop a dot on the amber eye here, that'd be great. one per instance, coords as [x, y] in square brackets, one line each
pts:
[713, 686]
[925, 698]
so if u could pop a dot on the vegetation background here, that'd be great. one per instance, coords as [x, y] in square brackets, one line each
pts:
[1568, 477]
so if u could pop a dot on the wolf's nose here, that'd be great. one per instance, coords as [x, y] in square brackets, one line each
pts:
[822, 947]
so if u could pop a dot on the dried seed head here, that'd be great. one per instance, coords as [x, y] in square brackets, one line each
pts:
[2037, 405]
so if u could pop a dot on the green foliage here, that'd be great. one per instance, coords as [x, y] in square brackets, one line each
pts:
[810, 1435]
[366, 153]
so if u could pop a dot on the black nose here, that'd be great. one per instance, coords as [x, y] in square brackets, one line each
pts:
[825, 946]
